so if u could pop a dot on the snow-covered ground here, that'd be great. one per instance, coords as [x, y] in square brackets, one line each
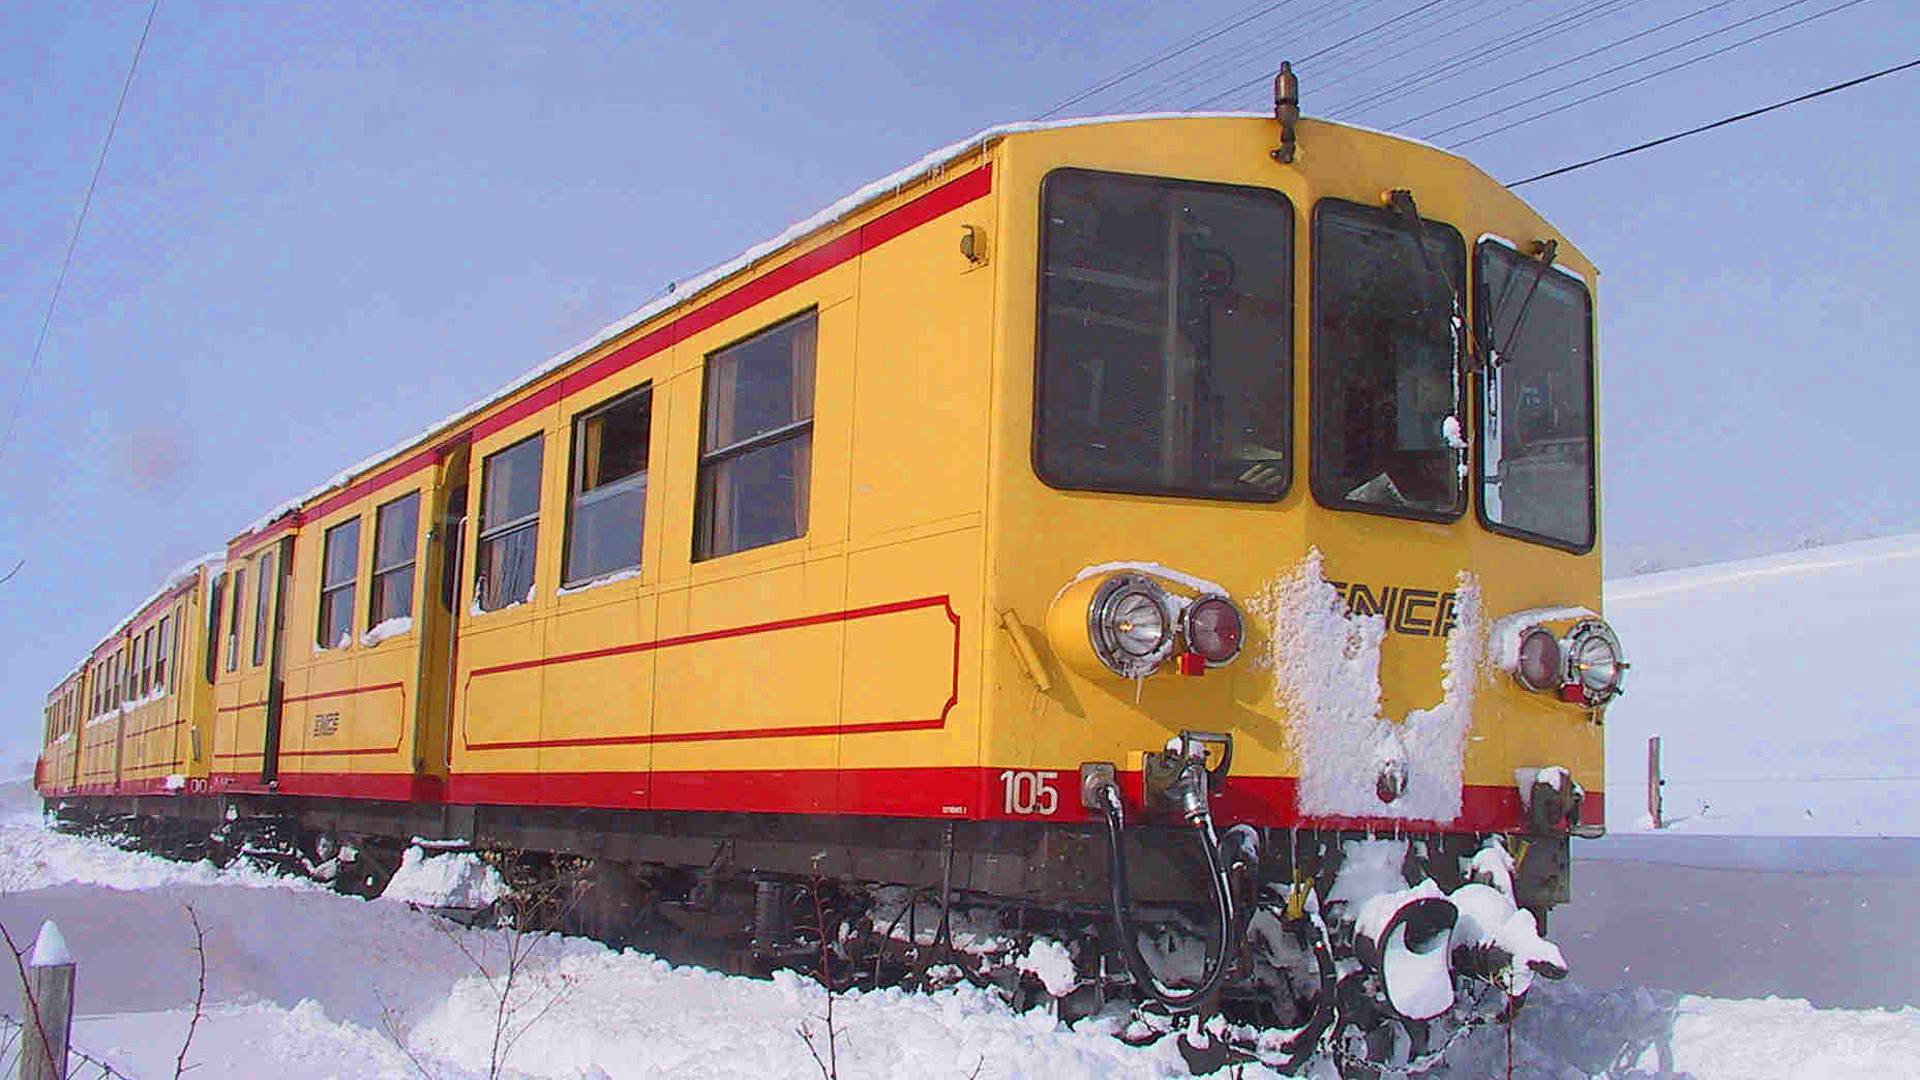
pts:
[1783, 690]
[1763, 678]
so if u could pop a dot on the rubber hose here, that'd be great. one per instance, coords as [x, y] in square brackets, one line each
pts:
[1136, 964]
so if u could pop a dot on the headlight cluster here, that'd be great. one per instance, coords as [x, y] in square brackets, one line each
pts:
[1586, 666]
[1133, 624]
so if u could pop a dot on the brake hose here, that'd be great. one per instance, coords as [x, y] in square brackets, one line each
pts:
[1136, 964]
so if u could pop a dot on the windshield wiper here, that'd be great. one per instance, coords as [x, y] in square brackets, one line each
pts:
[1401, 201]
[1496, 353]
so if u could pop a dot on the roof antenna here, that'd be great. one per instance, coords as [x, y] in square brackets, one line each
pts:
[1286, 110]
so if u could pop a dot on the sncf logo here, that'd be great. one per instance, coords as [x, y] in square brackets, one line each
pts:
[1419, 612]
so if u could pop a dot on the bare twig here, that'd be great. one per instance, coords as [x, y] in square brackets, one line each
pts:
[830, 1065]
[26, 991]
[390, 1023]
[8, 576]
[524, 939]
[199, 991]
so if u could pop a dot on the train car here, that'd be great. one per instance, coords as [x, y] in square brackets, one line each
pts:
[54, 771]
[1158, 529]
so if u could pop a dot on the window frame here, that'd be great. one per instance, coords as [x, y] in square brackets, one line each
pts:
[576, 466]
[236, 603]
[352, 581]
[706, 459]
[264, 574]
[1480, 381]
[1287, 381]
[146, 661]
[216, 598]
[163, 660]
[413, 559]
[1315, 363]
[484, 535]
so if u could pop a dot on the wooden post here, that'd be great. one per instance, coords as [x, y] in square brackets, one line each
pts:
[1654, 782]
[49, 1012]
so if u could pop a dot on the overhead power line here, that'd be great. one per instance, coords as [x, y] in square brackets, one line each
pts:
[1634, 81]
[1561, 64]
[1369, 32]
[1748, 115]
[66, 262]
[1232, 22]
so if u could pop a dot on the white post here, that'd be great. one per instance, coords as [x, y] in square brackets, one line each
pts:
[1654, 783]
[49, 1008]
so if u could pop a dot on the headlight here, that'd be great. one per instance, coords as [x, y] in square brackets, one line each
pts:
[1595, 664]
[1214, 629]
[1130, 623]
[1539, 665]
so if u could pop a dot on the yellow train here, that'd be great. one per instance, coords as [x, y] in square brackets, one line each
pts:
[1197, 512]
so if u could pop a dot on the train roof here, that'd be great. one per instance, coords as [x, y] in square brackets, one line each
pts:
[684, 292]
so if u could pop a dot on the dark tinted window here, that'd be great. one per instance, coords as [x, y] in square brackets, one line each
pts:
[1387, 434]
[1536, 415]
[756, 447]
[509, 526]
[1165, 337]
[608, 503]
[236, 603]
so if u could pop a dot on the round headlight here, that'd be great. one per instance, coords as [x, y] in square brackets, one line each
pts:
[1214, 629]
[1539, 666]
[1594, 661]
[1130, 622]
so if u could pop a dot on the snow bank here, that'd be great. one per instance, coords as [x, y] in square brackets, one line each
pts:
[458, 879]
[35, 857]
[1326, 665]
[1780, 689]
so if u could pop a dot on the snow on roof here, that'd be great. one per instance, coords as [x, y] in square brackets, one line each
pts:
[684, 292]
[212, 560]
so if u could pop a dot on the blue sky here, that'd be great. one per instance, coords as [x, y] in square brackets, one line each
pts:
[326, 225]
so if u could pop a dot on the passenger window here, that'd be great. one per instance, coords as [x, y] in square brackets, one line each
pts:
[236, 602]
[509, 526]
[214, 597]
[161, 660]
[262, 606]
[136, 672]
[146, 669]
[607, 504]
[756, 448]
[339, 566]
[396, 536]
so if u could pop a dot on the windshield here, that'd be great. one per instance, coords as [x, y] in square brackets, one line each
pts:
[1165, 345]
[1536, 417]
[1386, 437]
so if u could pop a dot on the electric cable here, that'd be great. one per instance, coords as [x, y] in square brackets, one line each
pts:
[1207, 68]
[1168, 54]
[1784, 27]
[1369, 32]
[73, 241]
[1560, 64]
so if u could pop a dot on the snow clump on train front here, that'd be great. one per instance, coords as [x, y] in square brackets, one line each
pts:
[1354, 761]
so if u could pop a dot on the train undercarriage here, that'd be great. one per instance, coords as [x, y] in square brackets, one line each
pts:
[1280, 946]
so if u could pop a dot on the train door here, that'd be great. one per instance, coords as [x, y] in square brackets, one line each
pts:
[276, 570]
[440, 608]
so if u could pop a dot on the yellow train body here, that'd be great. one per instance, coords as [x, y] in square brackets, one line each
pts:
[914, 650]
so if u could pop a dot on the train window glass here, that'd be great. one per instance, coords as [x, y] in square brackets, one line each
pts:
[607, 505]
[1166, 353]
[214, 596]
[396, 541]
[151, 654]
[756, 446]
[1536, 409]
[236, 601]
[339, 568]
[509, 526]
[163, 659]
[1387, 437]
[262, 606]
[136, 670]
